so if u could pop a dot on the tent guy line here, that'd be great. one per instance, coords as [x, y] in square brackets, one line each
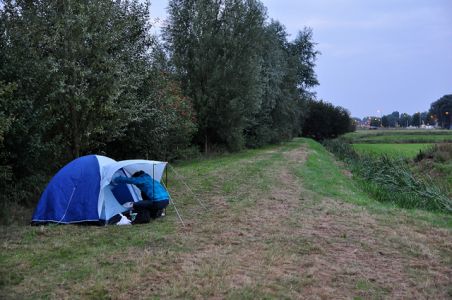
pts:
[191, 191]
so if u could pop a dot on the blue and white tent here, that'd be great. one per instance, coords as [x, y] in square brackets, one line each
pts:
[82, 191]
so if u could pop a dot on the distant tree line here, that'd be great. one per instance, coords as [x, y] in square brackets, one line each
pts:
[439, 114]
[88, 77]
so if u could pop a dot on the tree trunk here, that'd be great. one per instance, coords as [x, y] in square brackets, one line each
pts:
[75, 132]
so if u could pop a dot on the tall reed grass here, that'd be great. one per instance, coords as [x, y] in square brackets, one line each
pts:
[391, 179]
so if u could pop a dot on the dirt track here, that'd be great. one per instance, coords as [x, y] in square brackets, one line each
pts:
[293, 243]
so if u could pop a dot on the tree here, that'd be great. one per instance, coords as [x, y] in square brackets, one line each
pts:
[6, 120]
[274, 121]
[385, 121]
[80, 59]
[213, 43]
[326, 121]
[416, 119]
[303, 59]
[287, 76]
[84, 77]
[424, 118]
[441, 111]
[405, 120]
[375, 122]
[303, 50]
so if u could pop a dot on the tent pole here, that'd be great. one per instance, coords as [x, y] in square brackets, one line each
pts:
[166, 176]
[153, 181]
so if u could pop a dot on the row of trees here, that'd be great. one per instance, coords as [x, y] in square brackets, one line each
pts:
[439, 114]
[82, 77]
[247, 81]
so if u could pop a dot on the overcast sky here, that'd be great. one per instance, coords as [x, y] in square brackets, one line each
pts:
[377, 55]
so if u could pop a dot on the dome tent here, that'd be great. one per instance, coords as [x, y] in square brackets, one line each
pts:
[82, 191]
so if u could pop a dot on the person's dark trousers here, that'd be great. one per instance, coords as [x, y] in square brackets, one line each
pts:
[142, 216]
[148, 209]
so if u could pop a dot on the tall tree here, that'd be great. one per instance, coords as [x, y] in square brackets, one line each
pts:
[277, 118]
[213, 47]
[305, 54]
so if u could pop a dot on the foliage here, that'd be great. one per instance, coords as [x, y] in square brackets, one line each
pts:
[441, 111]
[287, 76]
[325, 120]
[375, 121]
[87, 76]
[6, 120]
[213, 43]
[268, 78]
[405, 120]
[164, 132]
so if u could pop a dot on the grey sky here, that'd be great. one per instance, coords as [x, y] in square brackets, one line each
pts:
[377, 55]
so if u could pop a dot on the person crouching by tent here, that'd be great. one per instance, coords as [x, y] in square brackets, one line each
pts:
[155, 196]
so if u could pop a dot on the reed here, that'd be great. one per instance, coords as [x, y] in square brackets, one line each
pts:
[390, 179]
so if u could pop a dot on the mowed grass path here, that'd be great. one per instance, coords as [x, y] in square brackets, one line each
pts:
[392, 150]
[281, 222]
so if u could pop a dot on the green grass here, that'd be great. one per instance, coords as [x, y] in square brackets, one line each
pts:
[46, 255]
[392, 150]
[164, 260]
[323, 176]
[399, 136]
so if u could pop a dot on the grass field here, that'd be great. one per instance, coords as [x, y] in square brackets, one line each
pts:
[406, 144]
[392, 150]
[400, 136]
[281, 222]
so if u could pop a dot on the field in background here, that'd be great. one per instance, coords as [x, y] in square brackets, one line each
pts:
[407, 144]
[392, 150]
[281, 222]
[404, 136]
